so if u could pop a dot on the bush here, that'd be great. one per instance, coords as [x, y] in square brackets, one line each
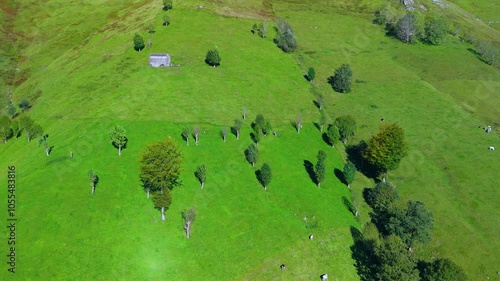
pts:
[436, 28]
[138, 42]
[342, 79]
[285, 39]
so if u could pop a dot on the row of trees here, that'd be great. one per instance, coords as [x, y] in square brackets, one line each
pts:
[412, 26]
[14, 128]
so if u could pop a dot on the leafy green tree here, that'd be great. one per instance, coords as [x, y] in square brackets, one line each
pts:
[166, 19]
[341, 79]
[386, 149]
[213, 58]
[160, 166]
[15, 128]
[44, 140]
[201, 174]
[320, 100]
[24, 104]
[196, 134]
[323, 118]
[25, 123]
[332, 134]
[285, 39]
[93, 179]
[311, 74]
[396, 263]
[257, 133]
[265, 175]
[436, 28]
[138, 42]
[5, 128]
[349, 173]
[118, 138]
[267, 128]
[347, 127]
[167, 5]
[321, 157]
[162, 201]
[11, 111]
[442, 270]
[260, 120]
[252, 154]
[34, 132]
[413, 224]
[186, 132]
[188, 216]
[356, 201]
[382, 196]
[263, 30]
[389, 15]
[255, 28]
[238, 123]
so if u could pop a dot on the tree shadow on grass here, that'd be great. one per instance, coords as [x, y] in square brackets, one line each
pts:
[325, 138]
[477, 54]
[348, 205]
[362, 252]
[340, 175]
[258, 176]
[310, 170]
[354, 154]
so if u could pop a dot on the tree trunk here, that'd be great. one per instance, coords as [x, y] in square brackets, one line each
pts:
[253, 164]
[187, 142]
[119, 150]
[298, 128]
[202, 184]
[28, 137]
[196, 139]
[321, 129]
[47, 151]
[224, 138]
[265, 187]
[356, 213]
[93, 189]
[147, 193]
[319, 184]
[163, 213]
[187, 227]
[349, 185]
[238, 133]
[383, 177]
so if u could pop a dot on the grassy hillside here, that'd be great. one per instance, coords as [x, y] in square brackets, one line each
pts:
[85, 77]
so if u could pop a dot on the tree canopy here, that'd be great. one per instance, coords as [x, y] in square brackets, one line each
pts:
[386, 149]
[162, 201]
[160, 165]
[5, 128]
[382, 196]
[349, 173]
[252, 154]
[118, 138]
[333, 135]
[436, 28]
[213, 58]
[395, 262]
[285, 39]
[342, 79]
[347, 127]
[442, 270]
[413, 224]
[138, 42]
[201, 174]
[265, 175]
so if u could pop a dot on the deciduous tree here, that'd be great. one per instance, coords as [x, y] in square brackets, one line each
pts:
[138, 42]
[333, 135]
[349, 173]
[201, 174]
[15, 128]
[223, 133]
[162, 201]
[413, 224]
[5, 128]
[265, 175]
[257, 133]
[44, 140]
[166, 19]
[319, 171]
[93, 179]
[263, 30]
[396, 263]
[237, 127]
[382, 196]
[213, 58]
[347, 127]
[285, 39]
[436, 28]
[188, 216]
[252, 154]
[386, 149]
[298, 123]
[311, 74]
[186, 133]
[160, 165]
[442, 270]
[118, 138]
[167, 5]
[196, 134]
[24, 104]
[342, 79]
[323, 118]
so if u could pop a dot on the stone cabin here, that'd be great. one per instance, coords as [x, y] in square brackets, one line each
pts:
[159, 60]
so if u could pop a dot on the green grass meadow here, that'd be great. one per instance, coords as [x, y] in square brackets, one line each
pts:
[84, 77]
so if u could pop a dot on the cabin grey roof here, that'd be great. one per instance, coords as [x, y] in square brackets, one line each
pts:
[159, 60]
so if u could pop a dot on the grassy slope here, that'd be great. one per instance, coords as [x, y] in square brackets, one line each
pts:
[241, 231]
[123, 90]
